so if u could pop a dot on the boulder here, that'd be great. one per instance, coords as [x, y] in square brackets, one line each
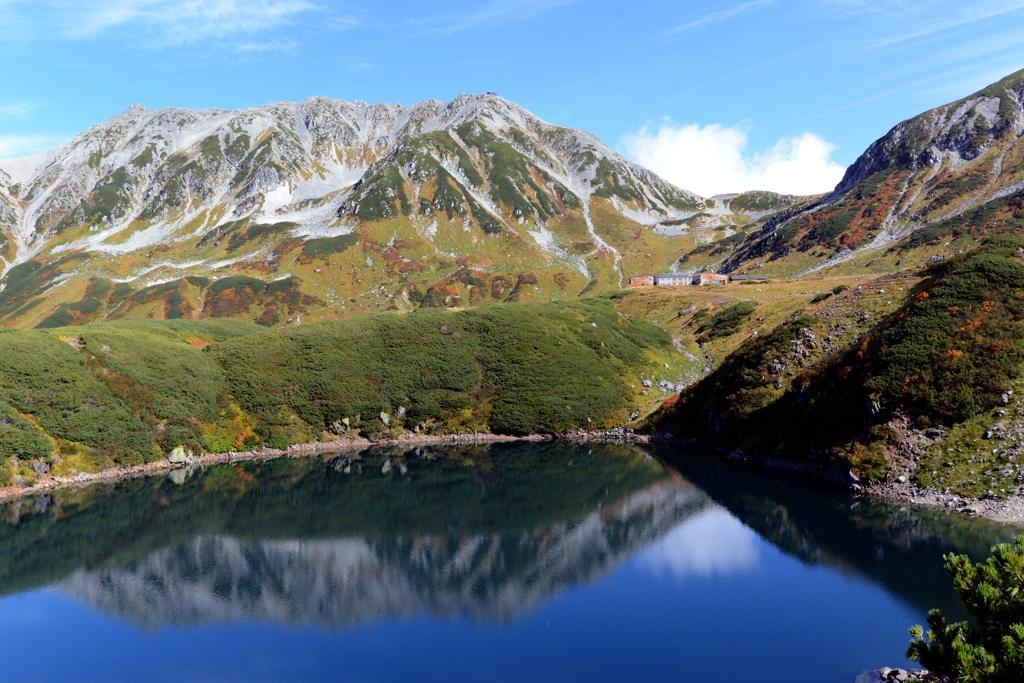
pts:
[178, 455]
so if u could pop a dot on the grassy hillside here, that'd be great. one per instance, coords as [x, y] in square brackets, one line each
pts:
[855, 383]
[94, 396]
[696, 316]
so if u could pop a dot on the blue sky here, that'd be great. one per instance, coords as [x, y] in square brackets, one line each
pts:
[715, 94]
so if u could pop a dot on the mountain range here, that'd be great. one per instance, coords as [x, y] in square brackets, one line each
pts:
[350, 207]
[326, 208]
[346, 207]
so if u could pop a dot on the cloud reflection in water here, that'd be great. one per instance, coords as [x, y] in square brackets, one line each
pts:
[712, 542]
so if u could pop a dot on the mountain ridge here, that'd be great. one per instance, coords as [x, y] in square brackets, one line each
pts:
[148, 197]
[930, 168]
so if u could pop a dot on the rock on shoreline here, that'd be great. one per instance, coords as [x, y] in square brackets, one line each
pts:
[1005, 510]
[885, 674]
[1008, 510]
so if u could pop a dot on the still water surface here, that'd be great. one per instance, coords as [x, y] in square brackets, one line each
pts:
[502, 563]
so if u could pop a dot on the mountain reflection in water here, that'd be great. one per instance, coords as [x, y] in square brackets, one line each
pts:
[341, 582]
[486, 533]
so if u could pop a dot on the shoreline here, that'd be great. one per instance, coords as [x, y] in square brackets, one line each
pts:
[48, 483]
[1008, 511]
[1005, 511]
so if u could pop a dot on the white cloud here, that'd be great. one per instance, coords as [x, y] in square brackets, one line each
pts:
[270, 46]
[720, 15]
[493, 12]
[12, 146]
[185, 21]
[713, 542]
[17, 109]
[713, 159]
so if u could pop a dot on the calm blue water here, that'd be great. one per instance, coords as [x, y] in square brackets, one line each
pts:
[525, 563]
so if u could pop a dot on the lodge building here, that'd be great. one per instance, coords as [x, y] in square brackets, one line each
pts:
[676, 280]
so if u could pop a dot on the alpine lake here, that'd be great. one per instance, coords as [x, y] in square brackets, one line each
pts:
[512, 562]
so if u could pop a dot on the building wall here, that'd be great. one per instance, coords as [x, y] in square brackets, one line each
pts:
[713, 279]
[672, 280]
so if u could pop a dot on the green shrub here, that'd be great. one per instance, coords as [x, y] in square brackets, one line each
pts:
[374, 199]
[990, 648]
[961, 343]
[19, 437]
[947, 356]
[132, 390]
[727, 321]
[326, 246]
[509, 174]
[48, 379]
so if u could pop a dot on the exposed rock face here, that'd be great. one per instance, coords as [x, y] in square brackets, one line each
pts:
[960, 131]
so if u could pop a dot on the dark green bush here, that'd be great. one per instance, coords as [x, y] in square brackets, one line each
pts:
[948, 355]
[990, 648]
[727, 321]
[19, 437]
[130, 391]
[326, 246]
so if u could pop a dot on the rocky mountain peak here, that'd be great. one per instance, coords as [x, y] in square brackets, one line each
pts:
[153, 196]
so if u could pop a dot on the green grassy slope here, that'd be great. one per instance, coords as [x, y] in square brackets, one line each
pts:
[93, 396]
[844, 389]
[517, 368]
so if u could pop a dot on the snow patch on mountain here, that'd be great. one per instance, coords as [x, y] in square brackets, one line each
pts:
[158, 266]
[23, 169]
[275, 200]
[548, 241]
